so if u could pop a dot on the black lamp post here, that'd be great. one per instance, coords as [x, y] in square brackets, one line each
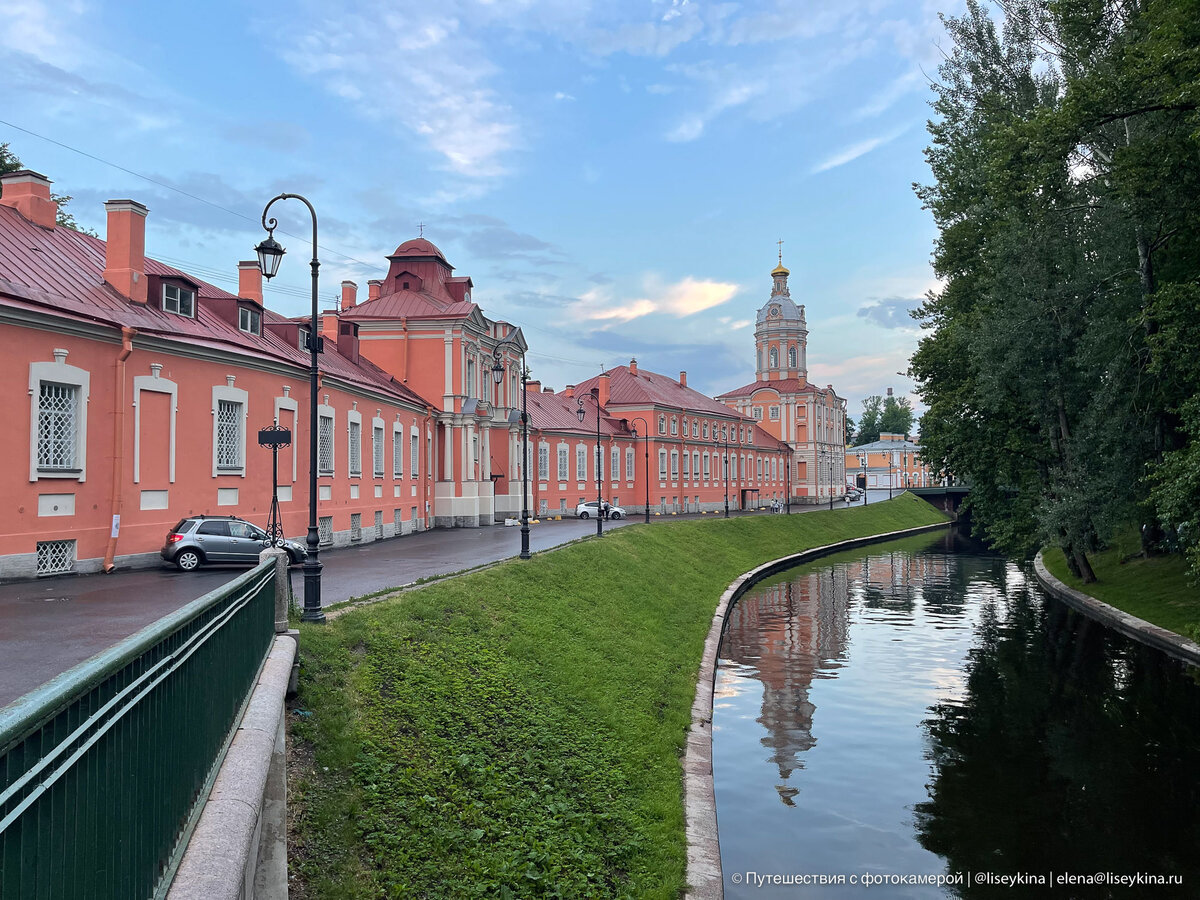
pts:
[787, 480]
[646, 426]
[725, 462]
[829, 462]
[862, 458]
[498, 377]
[270, 253]
[582, 414]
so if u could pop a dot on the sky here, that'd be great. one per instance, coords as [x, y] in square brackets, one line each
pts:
[613, 176]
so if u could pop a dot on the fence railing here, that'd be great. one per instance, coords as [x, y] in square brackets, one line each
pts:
[104, 770]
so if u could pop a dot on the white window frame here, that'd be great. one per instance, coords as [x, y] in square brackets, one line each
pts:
[414, 453]
[252, 319]
[564, 462]
[398, 451]
[327, 412]
[704, 459]
[230, 395]
[662, 424]
[543, 461]
[179, 295]
[581, 455]
[674, 425]
[695, 428]
[378, 441]
[662, 465]
[353, 466]
[687, 465]
[614, 468]
[674, 465]
[695, 465]
[630, 464]
[59, 372]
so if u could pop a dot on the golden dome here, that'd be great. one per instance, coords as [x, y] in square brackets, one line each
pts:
[780, 270]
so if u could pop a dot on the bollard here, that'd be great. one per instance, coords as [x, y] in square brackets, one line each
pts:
[283, 585]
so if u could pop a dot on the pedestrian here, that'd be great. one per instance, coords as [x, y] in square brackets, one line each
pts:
[604, 510]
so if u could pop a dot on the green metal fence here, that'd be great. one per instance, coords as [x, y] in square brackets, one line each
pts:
[104, 770]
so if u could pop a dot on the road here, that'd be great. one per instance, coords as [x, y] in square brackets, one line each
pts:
[49, 625]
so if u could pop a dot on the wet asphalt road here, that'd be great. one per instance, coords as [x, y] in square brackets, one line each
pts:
[49, 625]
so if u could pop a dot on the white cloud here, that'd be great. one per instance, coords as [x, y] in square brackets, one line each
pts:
[854, 151]
[681, 299]
[561, 95]
[886, 98]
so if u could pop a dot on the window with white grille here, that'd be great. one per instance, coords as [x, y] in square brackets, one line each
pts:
[55, 557]
[229, 435]
[696, 464]
[543, 462]
[325, 530]
[581, 464]
[674, 425]
[378, 524]
[629, 464]
[356, 526]
[616, 462]
[662, 424]
[249, 320]
[377, 450]
[674, 463]
[179, 300]
[695, 428]
[563, 461]
[414, 454]
[706, 466]
[58, 427]
[662, 464]
[325, 445]
[355, 448]
[397, 454]
[774, 413]
[687, 469]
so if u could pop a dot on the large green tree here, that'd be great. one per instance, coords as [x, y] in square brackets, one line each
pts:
[1056, 363]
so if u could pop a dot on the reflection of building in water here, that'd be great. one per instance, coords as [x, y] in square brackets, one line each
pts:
[791, 633]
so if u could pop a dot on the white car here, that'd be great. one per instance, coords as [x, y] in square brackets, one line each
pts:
[588, 509]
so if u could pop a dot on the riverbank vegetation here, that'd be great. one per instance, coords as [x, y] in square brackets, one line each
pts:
[517, 732]
[1059, 360]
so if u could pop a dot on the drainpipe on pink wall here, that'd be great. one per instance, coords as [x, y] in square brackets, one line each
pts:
[118, 446]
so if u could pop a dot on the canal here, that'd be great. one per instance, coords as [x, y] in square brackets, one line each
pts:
[919, 710]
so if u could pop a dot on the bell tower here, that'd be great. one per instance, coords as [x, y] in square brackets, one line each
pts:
[780, 333]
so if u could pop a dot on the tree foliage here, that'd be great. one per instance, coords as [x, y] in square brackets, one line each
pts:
[1057, 360]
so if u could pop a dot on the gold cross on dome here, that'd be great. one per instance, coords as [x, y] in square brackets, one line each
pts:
[780, 243]
[420, 229]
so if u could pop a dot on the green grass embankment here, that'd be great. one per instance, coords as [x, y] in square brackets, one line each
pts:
[517, 732]
[1153, 588]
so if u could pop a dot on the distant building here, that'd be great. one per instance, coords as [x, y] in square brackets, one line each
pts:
[894, 461]
[811, 420]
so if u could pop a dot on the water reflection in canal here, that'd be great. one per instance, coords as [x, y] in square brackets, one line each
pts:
[919, 708]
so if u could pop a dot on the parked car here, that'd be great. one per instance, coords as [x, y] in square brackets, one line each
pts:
[854, 493]
[197, 540]
[587, 509]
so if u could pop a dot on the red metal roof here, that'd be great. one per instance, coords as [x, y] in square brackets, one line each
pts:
[419, 247]
[404, 304]
[780, 386]
[557, 412]
[648, 388]
[61, 271]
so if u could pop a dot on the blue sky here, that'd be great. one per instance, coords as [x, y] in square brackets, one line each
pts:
[613, 176]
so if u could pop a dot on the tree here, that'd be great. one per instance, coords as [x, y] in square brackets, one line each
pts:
[868, 424]
[897, 415]
[849, 431]
[9, 162]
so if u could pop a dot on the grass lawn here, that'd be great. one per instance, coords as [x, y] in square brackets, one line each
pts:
[1155, 588]
[517, 732]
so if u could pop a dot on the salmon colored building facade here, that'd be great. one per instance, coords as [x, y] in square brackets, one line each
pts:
[143, 389]
[892, 462]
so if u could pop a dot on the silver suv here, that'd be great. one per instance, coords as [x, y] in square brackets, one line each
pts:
[587, 510]
[220, 539]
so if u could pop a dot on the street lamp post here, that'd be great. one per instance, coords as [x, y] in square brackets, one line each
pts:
[829, 462]
[787, 481]
[646, 426]
[498, 377]
[270, 254]
[582, 414]
[725, 462]
[862, 458]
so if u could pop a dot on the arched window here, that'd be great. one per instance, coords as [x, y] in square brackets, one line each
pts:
[791, 357]
[774, 357]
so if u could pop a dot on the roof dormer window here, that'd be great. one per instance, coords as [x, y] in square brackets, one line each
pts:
[249, 320]
[179, 300]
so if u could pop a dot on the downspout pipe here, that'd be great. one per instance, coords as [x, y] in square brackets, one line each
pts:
[118, 470]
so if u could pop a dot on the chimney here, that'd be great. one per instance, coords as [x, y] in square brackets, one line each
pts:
[250, 281]
[547, 390]
[29, 194]
[329, 325]
[349, 295]
[602, 384]
[889, 391]
[569, 391]
[633, 367]
[125, 250]
[534, 386]
[373, 287]
[683, 379]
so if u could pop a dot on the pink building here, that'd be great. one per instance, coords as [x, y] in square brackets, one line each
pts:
[147, 387]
